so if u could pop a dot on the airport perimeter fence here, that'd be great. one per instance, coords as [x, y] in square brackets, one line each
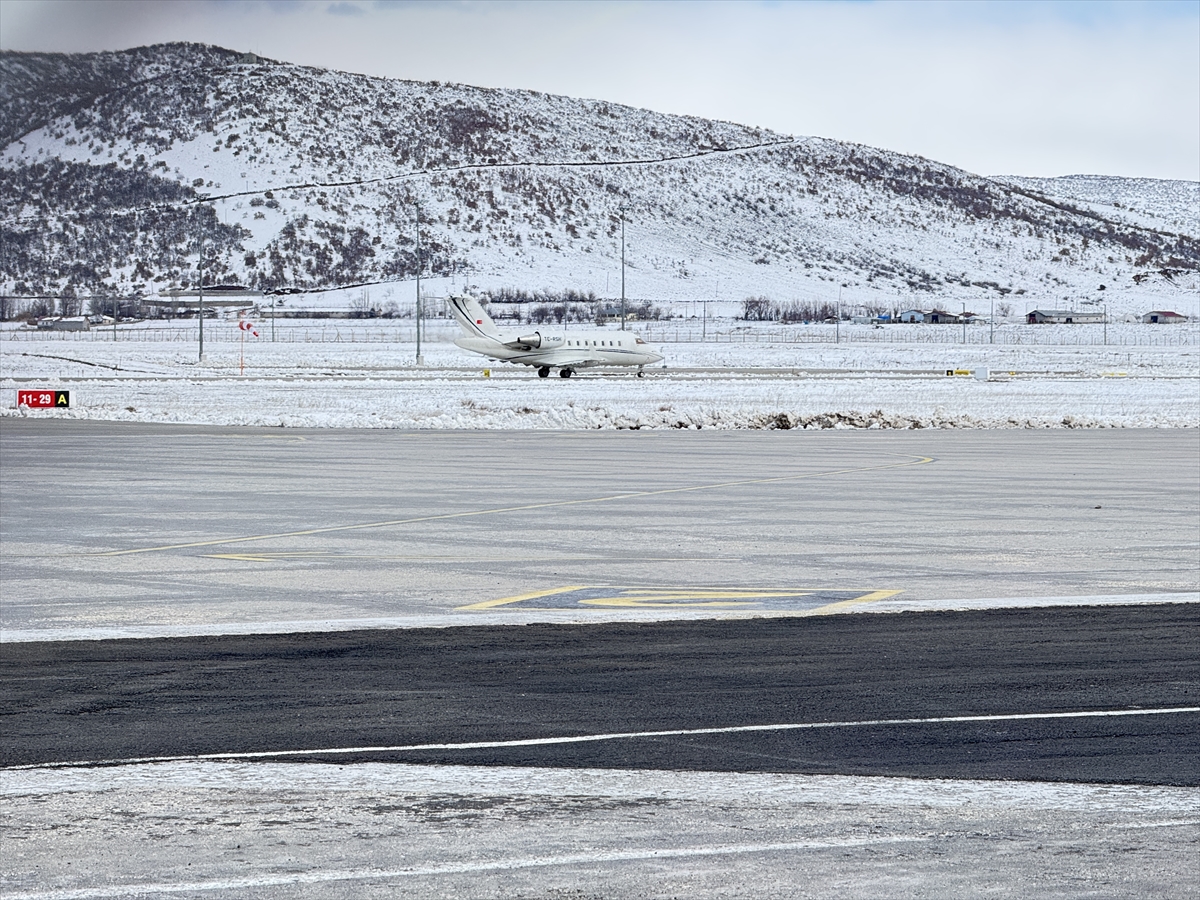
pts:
[1117, 335]
[443, 331]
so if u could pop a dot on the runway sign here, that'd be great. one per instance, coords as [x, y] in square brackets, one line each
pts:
[44, 399]
[581, 596]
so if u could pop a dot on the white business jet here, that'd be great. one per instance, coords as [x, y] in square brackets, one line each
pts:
[566, 352]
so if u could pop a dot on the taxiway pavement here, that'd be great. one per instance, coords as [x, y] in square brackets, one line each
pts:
[662, 582]
[138, 530]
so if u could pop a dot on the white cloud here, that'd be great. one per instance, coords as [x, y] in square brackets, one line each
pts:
[1036, 89]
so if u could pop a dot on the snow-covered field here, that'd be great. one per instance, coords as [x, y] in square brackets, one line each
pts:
[344, 373]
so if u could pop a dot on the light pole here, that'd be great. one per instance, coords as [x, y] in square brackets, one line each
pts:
[420, 358]
[116, 308]
[837, 319]
[622, 268]
[992, 324]
[200, 303]
[964, 318]
[704, 325]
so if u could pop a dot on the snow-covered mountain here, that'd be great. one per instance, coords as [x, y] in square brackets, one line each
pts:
[115, 165]
[1172, 206]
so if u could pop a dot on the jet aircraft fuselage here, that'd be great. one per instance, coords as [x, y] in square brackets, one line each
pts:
[565, 351]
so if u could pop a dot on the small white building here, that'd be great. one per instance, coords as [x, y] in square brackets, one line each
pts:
[1063, 317]
[1163, 317]
[63, 323]
[933, 316]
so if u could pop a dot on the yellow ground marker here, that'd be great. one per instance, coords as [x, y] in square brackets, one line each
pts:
[842, 605]
[653, 598]
[504, 601]
[682, 598]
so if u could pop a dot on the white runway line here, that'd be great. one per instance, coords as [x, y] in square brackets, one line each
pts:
[615, 736]
[499, 865]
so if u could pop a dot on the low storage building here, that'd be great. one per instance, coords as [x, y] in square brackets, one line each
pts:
[1163, 317]
[1063, 317]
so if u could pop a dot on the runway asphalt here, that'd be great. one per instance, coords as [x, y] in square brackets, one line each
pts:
[246, 697]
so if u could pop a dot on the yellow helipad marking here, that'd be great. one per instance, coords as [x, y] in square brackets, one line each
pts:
[807, 601]
[914, 461]
[505, 601]
[662, 599]
[845, 604]
[649, 604]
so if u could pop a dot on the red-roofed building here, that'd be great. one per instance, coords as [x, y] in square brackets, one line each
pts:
[1163, 317]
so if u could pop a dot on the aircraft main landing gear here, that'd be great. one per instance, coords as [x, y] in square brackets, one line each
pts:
[543, 371]
[565, 373]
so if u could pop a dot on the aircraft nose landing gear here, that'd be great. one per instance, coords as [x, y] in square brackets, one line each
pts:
[543, 371]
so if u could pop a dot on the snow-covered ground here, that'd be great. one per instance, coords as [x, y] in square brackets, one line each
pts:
[362, 374]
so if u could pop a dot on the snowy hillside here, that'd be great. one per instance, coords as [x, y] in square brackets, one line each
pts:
[115, 166]
[1172, 206]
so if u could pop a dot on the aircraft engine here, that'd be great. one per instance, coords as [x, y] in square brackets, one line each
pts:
[533, 340]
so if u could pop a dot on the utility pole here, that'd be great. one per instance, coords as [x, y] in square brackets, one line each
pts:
[420, 358]
[704, 325]
[200, 304]
[116, 308]
[964, 318]
[622, 268]
[992, 324]
[838, 319]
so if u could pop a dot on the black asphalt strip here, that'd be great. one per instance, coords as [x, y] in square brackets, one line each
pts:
[176, 697]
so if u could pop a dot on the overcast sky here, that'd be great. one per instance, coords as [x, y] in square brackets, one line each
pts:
[1053, 88]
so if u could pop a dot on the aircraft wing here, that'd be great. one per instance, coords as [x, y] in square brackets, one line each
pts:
[563, 360]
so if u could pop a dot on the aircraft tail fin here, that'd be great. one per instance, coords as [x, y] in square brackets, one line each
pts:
[474, 321]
